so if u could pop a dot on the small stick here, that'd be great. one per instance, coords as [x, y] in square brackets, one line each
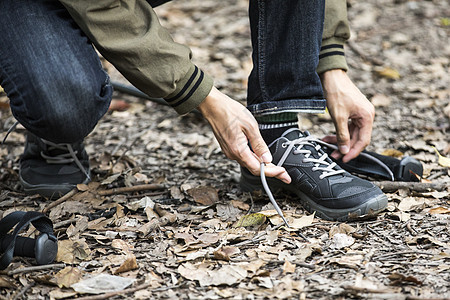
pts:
[392, 186]
[126, 291]
[35, 268]
[60, 200]
[136, 188]
[23, 291]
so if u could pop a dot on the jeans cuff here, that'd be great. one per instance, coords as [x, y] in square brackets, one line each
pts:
[291, 105]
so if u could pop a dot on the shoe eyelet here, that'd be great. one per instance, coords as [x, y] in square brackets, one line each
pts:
[284, 145]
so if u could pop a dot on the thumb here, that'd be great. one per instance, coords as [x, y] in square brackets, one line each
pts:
[343, 136]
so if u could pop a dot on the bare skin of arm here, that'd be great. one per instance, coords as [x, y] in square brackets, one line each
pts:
[235, 127]
[351, 112]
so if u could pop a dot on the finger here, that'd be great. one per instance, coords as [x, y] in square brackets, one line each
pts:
[272, 170]
[363, 139]
[343, 135]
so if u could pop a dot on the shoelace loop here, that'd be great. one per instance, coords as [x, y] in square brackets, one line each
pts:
[320, 164]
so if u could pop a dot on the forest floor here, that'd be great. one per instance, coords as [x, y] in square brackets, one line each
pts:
[183, 234]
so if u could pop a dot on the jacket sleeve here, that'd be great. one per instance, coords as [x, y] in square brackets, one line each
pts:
[335, 32]
[129, 35]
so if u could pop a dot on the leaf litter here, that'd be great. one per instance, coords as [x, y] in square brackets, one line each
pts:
[197, 236]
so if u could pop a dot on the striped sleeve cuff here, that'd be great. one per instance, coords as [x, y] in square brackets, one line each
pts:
[332, 55]
[191, 91]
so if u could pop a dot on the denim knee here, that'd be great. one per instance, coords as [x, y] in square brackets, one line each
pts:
[64, 109]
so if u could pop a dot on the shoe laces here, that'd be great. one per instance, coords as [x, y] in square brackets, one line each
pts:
[305, 145]
[65, 155]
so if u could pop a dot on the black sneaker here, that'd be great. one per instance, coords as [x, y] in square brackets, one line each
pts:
[321, 185]
[50, 169]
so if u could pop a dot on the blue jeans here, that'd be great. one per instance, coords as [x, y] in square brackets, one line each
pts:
[58, 89]
[286, 39]
[50, 71]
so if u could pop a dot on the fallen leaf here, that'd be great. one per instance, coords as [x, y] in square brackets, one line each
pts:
[342, 228]
[68, 276]
[128, 265]
[226, 252]
[255, 219]
[6, 282]
[204, 195]
[411, 204]
[392, 153]
[388, 73]
[341, 240]
[380, 100]
[439, 210]
[288, 267]
[443, 161]
[400, 279]
[118, 105]
[352, 261]
[72, 252]
[227, 275]
[240, 205]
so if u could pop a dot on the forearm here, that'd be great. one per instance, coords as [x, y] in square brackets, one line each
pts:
[129, 35]
[335, 32]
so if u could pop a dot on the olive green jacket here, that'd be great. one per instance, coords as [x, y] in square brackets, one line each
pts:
[129, 35]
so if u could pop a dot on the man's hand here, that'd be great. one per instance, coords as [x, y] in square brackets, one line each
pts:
[346, 103]
[234, 127]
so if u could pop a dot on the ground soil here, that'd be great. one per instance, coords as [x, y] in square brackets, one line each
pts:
[195, 244]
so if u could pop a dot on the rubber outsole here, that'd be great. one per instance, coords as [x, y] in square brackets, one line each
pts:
[50, 191]
[370, 207]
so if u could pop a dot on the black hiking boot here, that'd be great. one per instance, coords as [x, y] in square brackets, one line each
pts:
[50, 169]
[321, 185]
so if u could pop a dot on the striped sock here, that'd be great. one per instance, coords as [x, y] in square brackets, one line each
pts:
[273, 126]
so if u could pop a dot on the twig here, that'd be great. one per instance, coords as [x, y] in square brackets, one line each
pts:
[330, 271]
[401, 253]
[365, 290]
[136, 188]
[60, 200]
[64, 223]
[301, 264]
[392, 186]
[35, 268]
[126, 291]
[23, 291]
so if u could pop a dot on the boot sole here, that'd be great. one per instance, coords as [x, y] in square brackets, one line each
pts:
[371, 207]
[51, 191]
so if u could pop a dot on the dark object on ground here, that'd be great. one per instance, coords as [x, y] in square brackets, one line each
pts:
[44, 248]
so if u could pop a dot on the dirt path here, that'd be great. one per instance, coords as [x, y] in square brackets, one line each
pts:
[192, 244]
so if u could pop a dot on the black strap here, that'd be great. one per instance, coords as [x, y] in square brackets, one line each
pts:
[22, 219]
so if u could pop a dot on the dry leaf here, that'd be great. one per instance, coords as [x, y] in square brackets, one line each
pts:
[392, 153]
[443, 161]
[226, 252]
[128, 265]
[380, 100]
[72, 252]
[341, 240]
[439, 210]
[204, 195]
[6, 282]
[388, 73]
[288, 267]
[68, 276]
[400, 279]
[255, 219]
[240, 205]
[342, 228]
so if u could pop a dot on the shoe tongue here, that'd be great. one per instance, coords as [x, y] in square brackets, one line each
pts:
[293, 134]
